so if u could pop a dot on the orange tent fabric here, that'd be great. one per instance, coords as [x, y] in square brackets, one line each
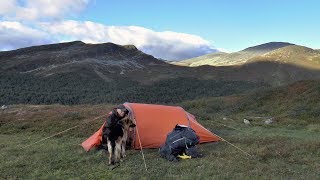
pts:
[94, 140]
[153, 123]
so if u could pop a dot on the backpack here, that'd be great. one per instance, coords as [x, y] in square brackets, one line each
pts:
[181, 139]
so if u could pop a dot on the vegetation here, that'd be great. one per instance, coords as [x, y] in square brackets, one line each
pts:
[72, 88]
[286, 149]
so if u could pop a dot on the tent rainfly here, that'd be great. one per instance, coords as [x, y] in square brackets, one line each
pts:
[153, 123]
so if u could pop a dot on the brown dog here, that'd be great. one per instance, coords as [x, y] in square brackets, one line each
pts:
[117, 139]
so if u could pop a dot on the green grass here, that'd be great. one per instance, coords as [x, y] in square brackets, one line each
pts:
[280, 150]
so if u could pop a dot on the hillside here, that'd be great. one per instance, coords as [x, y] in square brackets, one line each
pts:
[299, 55]
[79, 73]
[300, 101]
[204, 58]
[236, 58]
[287, 148]
[66, 57]
[267, 47]
[295, 103]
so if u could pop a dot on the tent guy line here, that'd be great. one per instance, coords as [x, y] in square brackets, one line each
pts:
[61, 132]
[234, 145]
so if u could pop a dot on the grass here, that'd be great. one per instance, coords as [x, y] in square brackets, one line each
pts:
[283, 150]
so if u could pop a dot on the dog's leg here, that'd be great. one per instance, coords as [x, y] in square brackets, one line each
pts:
[111, 149]
[123, 144]
[123, 149]
[118, 149]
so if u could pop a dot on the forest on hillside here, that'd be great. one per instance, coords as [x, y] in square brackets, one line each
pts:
[73, 88]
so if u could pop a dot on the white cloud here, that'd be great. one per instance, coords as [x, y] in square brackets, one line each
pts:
[40, 9]
[223, 50]
[15, 35]
[33, 22]
[167, 45]
[6, 7]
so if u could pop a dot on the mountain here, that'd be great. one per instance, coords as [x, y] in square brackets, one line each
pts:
[267, 47]
[236, 58]
[294, 54]
[200, 59]
[65, 57]
[78, 73]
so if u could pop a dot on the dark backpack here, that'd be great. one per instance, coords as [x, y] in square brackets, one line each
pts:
[180, 140]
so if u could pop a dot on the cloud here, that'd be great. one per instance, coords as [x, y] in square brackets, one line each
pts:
[6, 7]
[40, 9]
[15, 35]
[167, 45]
[26, 23]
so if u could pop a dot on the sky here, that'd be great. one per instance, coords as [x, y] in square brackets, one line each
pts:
[168, 29]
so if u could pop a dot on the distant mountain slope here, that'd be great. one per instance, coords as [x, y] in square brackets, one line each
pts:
[236, 58]
[267, 47]
[50, 59]
[192, 61]
[75, 73]
[294, 54]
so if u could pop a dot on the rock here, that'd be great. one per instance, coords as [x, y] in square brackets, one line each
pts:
[247, 121]
[3, 107]
[268, 121]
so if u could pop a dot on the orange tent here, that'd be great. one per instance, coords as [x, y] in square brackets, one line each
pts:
[153, 123]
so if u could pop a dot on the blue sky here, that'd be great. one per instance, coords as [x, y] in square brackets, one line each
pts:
[229, 24]
[182, 29]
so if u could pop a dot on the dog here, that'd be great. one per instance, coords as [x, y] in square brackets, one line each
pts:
[117, 139]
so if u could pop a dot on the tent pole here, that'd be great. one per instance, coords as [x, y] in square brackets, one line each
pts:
[144, 160]
[133, 118]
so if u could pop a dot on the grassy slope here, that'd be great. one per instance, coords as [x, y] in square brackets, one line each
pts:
[298, 55]
[236, 58]
[288, 148]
